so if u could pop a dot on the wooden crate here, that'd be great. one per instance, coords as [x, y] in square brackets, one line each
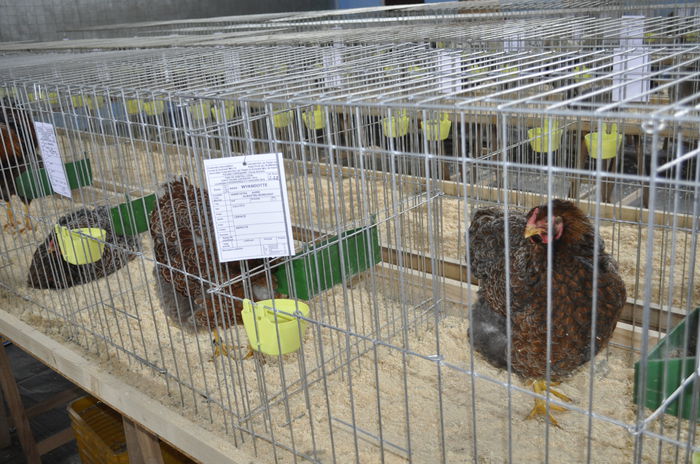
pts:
[100, 435]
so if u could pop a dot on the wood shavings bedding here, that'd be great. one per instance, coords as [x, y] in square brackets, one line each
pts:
[161, 353]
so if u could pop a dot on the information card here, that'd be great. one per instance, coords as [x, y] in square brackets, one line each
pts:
[51, 156]
[250, 206]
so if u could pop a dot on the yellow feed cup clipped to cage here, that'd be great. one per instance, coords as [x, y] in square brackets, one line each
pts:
[201, 111]
[314, 119]
[81, 246]
[227, 113]
[582, 77]
[88, 102]
[611, 143]
[539, 138]
[395, 126]
[262, 324]
[152, 108]
[282, 119]
[51, 97]
[134, 106]
[437, 130]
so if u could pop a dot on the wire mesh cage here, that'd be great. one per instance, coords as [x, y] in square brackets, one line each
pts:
[390, 152]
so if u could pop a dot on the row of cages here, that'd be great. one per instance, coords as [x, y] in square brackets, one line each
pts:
[606, 80]
[550, 32]
[666, 22]
[381, 200]
[542, 32]
[373, 341]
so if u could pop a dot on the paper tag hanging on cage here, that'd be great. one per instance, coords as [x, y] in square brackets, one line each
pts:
[631, 81]
[332, 60]
[449, 66]
[249, 206]
[232, 67]
[51, 155]
[632, 31]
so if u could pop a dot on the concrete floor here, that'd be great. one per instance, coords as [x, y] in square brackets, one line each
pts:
[36, 383]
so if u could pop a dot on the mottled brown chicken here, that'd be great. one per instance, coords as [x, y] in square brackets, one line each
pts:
[18, 142]
[573, 244]
[187, 266]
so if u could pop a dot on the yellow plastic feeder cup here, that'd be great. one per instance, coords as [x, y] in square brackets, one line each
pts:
[610, 144]
[201, 111]
[282, 119]
[51, 97]
[151, 108]
[226, 114]
[437, 130]
[584, 76]
[314, 120]
[262, 325]
[89, 102]
[395, 126]
[133, 106]
[81, 246]
[77, 101]
[539, 138]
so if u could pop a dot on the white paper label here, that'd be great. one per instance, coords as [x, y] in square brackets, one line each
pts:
[250, 206]
[514, 43]
[51, 155]
[449, 69]
[632, 31]
[332, 60]
[634, 80]
[233, 68]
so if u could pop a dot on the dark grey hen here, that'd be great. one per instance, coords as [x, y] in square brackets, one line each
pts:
[50, 270]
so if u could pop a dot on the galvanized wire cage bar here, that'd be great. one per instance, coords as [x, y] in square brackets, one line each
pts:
[388, 150]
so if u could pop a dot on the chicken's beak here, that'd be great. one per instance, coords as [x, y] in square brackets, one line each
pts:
[531, 230]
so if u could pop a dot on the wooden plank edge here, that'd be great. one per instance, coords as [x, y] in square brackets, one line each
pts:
[8, 385]
[5, 439]
[185, 435]
[52, 442]
[59, 399]
[143, 447]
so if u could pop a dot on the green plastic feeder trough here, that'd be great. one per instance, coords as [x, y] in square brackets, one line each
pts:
[79, 174]
[318, 267]
[131, 218]
[670, 370]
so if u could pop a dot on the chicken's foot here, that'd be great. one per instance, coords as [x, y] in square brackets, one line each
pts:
[222, 349]
[27, 220]
[540, 408]
[11, 220]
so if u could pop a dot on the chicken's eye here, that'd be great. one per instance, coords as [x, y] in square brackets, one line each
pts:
[536, 238]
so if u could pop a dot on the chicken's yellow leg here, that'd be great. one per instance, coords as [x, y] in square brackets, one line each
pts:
[540, 408]
[11, 221]
[27, 220]
[222, 349]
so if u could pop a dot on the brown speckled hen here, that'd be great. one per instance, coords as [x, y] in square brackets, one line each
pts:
[187, 265]
[572, 290]
[18, 142]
